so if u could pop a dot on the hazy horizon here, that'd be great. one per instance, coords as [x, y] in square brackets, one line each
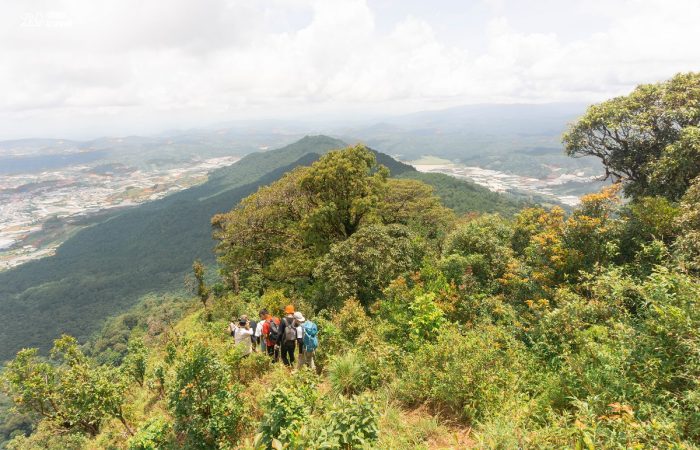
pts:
[310, 125]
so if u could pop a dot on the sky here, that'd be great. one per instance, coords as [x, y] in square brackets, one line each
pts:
[87, 68]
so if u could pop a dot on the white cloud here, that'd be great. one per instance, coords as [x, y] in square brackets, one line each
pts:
[81, 67]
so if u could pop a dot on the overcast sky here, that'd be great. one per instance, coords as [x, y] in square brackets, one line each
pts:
[72, 68]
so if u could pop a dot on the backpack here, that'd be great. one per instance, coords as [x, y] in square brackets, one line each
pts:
[310, 338]
[274, 335]
[290, 331]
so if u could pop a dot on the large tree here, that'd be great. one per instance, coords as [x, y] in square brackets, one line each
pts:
[262, 228]
[414, 204]
[639, 137]
[344, 188]
[368, 261]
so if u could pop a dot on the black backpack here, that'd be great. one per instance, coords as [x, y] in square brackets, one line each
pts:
[274, 331]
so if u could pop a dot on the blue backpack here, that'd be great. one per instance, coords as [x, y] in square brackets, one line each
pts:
[310, 339]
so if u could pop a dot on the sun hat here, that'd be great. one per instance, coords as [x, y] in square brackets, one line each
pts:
[299, 317]
[289, 309]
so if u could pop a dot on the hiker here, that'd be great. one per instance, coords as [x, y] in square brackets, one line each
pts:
[259, 334]
[271, 334]
[242, 334]
[253, 337]
[309, 341]
[298, 320]
[288, 336]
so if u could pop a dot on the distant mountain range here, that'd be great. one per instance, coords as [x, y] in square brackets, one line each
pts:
[523, 139]
[519, 139]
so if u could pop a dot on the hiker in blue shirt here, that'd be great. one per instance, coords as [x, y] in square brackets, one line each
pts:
[309, 340]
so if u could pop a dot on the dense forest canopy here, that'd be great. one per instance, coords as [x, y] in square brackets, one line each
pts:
[547, 329]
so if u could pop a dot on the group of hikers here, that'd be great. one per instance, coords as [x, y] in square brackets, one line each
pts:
[293, 334]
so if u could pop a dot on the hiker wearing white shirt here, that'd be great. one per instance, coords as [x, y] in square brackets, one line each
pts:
[242, 334]
[300, 339]
[259, 334]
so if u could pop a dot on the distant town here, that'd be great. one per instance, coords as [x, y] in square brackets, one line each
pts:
[38, 211]
[557, 186]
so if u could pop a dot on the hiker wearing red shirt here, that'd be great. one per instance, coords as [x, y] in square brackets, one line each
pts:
[271, 333]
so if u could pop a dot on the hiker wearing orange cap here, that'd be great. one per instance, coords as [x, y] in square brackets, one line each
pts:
[288, 336]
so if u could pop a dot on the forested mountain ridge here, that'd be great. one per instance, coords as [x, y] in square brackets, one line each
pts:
[105, 269]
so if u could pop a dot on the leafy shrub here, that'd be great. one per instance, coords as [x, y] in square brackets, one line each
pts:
[582, 428]
[229, 305]
[74, 394]
[157, 381]
[426, 318]
[557, 331]
[597, 369]
[466, 375]
[287, 408]
[47, 437]
[484, 244]
[687, 245]
[331, 340]
[352, 320]
[667, 350]
[454, 267]
[410, 315]
[619, 427]
[154, 435]
[274, 300]
[134, 364]
[204, 400]
[248, 368]
[349, 424]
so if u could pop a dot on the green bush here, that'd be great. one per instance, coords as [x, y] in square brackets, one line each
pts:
[154, 435]
[351, 320]
[251, 367]
[484, 243]
[349, 424]
[72, 393]
[467, 375]
[331, 340]
[597, 371]
[288, 407]
[47, 437]
[204, 400]
[134, 364]
[410, 316]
